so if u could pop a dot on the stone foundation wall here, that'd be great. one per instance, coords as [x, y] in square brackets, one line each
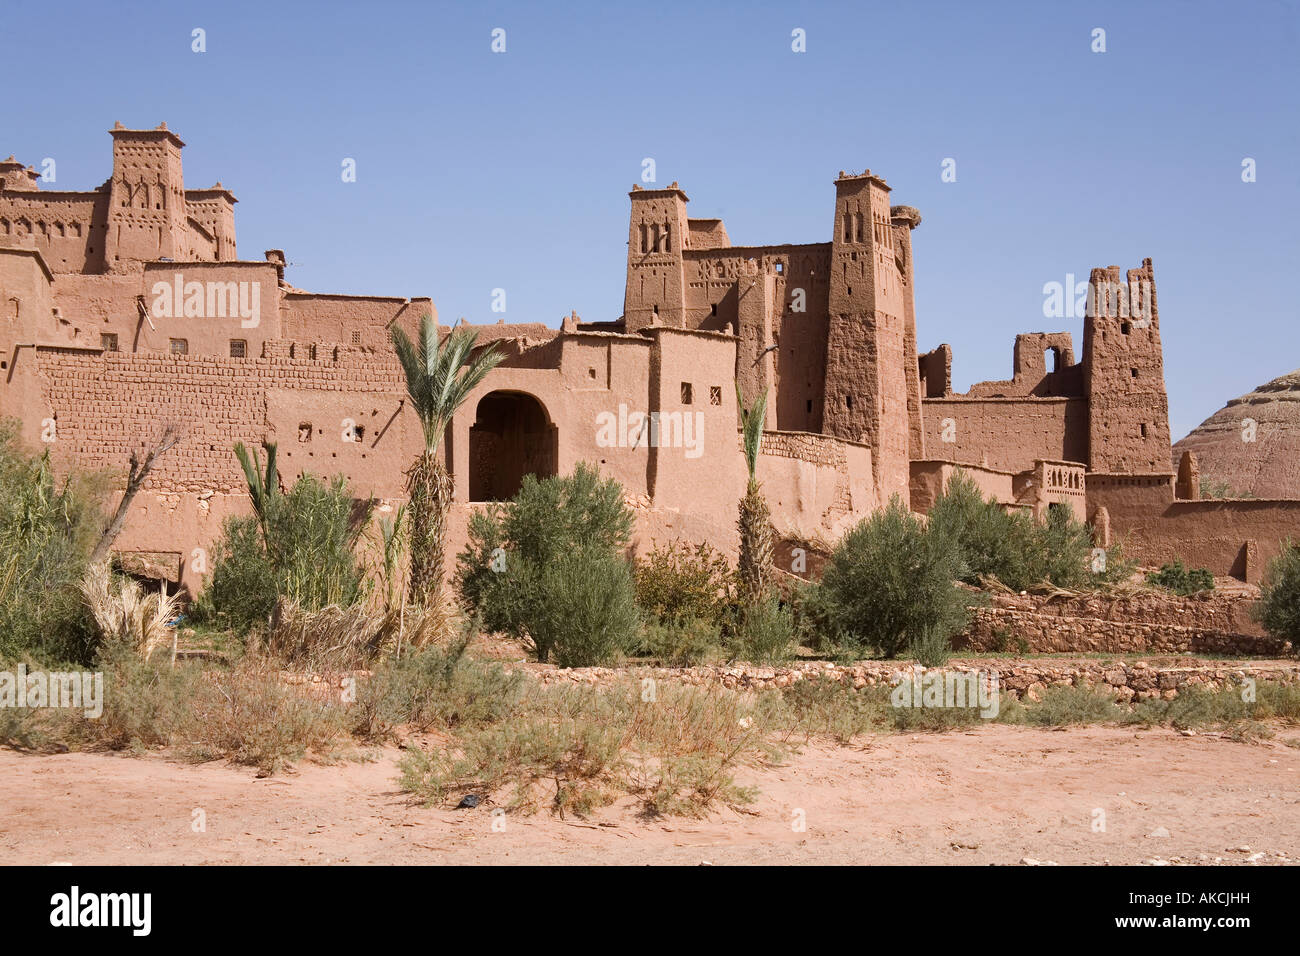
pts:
[1142, 624]
[1130, 680]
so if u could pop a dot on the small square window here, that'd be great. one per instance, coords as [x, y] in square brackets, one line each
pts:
[304, 432]
[591, 373]
[715, 394]
[180, 347]
[713, 309]
[108, 342]
[1126, 328]
[356, 338]
[688, 393]
[238, 348]
[780, 268]
[1133, 372]
[810, 406]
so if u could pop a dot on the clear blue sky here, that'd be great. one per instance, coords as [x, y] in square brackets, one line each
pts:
[478, 170]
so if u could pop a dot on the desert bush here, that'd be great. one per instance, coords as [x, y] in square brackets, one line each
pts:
[764, 633]
[1278, 608]
[548, 567]
[1077, 704]
[931, 647]
[1015, 549]
[832, 708]
[249, 715]
[890, 579]
[435, 688]
[681, 582]
[302, 547]
[125, 614]
[677, 750]
[1174, 577]
[145, 705]
[48, 528]
[682, 643]
[584, 613]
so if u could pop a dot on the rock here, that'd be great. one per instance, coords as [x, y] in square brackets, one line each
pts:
[1159, 833]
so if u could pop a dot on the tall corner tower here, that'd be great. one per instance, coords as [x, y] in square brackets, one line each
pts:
[655, 293]
[866, 396]
[1124, 375]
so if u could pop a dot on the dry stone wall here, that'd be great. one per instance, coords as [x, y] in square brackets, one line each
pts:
[1142, 624]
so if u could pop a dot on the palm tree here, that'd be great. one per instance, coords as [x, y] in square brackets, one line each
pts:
[755, 523]
[438, 379]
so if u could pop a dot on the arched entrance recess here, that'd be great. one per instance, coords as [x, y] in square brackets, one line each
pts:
[512, 436]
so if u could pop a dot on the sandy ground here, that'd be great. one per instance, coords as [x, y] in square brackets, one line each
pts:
[991, 796]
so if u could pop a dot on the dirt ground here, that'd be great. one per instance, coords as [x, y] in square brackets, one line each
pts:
[995, 795]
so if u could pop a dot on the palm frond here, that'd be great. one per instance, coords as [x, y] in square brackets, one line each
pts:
[438, 380]
[752, 428]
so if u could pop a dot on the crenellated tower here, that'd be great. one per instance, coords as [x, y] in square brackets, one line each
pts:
[1124, 375]
[146, 212]
[655, 292]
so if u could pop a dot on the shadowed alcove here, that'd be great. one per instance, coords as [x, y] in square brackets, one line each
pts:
[512, 436]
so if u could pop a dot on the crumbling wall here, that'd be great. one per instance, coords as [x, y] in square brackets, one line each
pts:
[1007, 434]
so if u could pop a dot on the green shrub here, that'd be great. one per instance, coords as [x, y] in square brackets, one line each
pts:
[1174, 577]
[585, 610]
[307, 554]
[992, 542]
[815, 624]
[681, 582]
[890, 578]
[682, 643]
[48, 528]
[243, 589]
[1015, 549]
[931, 648]
[548, 566]
[1278, 608]
[764, 633]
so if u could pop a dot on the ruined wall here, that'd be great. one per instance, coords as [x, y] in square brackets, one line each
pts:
[930, 478]
[1007, 434]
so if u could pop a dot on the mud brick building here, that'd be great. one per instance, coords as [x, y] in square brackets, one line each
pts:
[127, 308]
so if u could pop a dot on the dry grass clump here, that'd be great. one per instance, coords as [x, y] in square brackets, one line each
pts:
[349, 638]
[125, 614]
[676, 748]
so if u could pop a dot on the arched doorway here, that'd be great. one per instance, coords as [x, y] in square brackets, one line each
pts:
[512, 436]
